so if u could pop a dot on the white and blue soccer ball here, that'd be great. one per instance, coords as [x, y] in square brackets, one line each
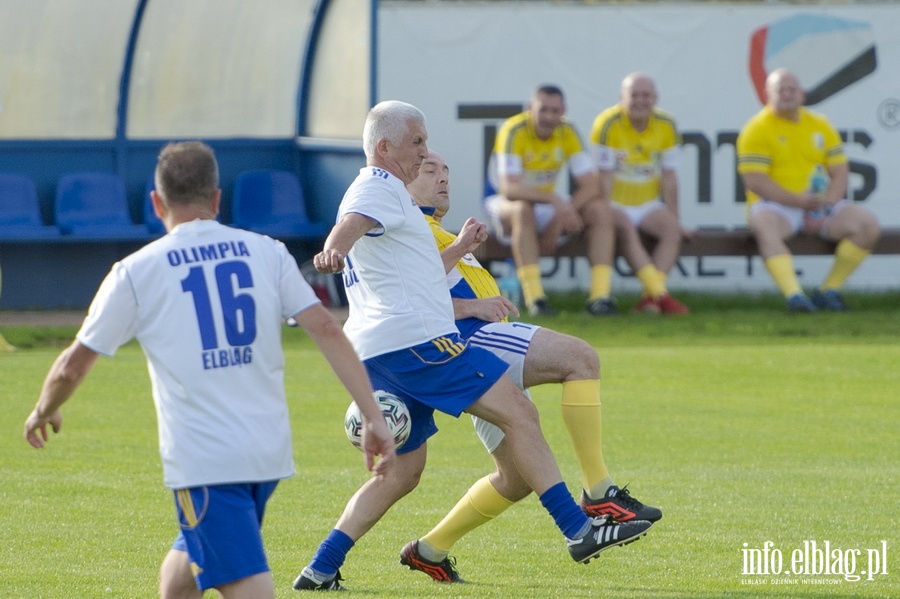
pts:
[395, 413]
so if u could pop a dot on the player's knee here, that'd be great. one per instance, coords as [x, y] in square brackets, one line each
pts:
[409, 481]
[522, 214]
[587, 360]
[595, 212]
[404, 473]
[668, 235]
[871, 227]
[582, 360]
[864, 229]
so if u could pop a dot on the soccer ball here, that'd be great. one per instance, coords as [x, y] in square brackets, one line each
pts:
[395, 413]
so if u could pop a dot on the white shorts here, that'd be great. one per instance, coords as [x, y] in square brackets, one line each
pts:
[637, 214]
[509, 341]
[543, 214]
[794, 216]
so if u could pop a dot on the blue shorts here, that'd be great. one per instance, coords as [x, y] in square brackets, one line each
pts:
[221, 531]
[443, 374]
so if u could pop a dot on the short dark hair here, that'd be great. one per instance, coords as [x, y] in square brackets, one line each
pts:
[187, 173]
[549, 90]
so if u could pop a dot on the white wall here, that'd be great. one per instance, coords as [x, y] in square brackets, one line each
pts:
[439, 56]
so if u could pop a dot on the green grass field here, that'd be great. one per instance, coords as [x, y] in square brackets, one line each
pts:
[742, 423]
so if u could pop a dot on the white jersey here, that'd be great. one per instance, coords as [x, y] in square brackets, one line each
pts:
[394, 275]
[206, 303]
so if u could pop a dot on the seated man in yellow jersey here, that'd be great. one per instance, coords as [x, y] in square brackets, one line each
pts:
[529, 214]
[635, 148]
[781, 153]
[537, 355]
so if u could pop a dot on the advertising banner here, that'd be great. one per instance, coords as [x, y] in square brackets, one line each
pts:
[469, 65]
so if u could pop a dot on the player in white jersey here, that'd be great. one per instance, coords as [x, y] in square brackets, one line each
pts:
[207, 302]
[401, 323]
[536, 355]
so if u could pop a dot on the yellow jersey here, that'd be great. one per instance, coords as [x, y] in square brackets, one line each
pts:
[540, 160]
[787, 151]
[469, 280]
[637, 157]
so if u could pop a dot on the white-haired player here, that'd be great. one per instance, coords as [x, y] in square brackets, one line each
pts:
[401, 324]
[536, 355]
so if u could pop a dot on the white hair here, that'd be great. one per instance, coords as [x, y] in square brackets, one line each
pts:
[389, 120]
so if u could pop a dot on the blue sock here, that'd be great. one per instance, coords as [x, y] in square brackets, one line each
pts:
[331, 553]
[568, 516]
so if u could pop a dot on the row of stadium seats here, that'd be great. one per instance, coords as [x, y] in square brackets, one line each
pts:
[94, 206]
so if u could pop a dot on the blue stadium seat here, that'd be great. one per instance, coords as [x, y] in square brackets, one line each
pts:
[271, 202]
[94, 205]
[20, 211]
[151, 221]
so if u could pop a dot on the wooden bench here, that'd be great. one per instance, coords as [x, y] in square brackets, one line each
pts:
[706, 242]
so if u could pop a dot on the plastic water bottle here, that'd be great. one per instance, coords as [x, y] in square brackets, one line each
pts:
[509, 285]
[818, 183]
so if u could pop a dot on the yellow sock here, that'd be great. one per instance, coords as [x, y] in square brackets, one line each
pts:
[530, 277]
[653, 280]
[781, 267]
[847, 257]
[481, 503]
[581, 414]
[601, 286]
[663, 280]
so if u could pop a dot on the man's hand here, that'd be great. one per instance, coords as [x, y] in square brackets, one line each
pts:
[329, 262]
[36, 427]
[811, 202]
[568, 218]
[377, 440]
[472, 234]
[488, 309]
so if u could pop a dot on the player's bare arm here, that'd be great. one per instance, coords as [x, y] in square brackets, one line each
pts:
[342, 237]
[587, 189]
[64, 377]
[838, 174]
[513, 188]
[472, 234]
[489, 309]
[765, 187]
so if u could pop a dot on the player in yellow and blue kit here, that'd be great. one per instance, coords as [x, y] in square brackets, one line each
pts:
[536, 355]
[779, 151]
[527, 211]
[401, 317]
[635, 149]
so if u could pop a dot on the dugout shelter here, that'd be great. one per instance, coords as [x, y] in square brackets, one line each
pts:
[93, 89]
